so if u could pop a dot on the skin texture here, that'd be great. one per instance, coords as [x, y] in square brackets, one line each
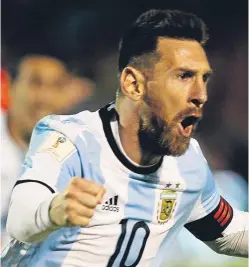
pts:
[155, 101]
[43, 86]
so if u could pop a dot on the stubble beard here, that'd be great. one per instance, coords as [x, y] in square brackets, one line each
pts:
[161, 138]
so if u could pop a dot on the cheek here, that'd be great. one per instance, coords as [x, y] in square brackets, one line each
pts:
[175, 96]
[167, 98]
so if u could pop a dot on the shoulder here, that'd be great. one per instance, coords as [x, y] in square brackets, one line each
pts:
[192, 165]
[69, 125]
[194, 158]
[194, 153]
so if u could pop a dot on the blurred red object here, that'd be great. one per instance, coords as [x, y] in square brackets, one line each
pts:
[5, 99]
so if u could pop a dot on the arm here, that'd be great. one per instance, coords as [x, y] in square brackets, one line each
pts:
[40, 198]
[215, 222]
[225, 230]
[47, 169]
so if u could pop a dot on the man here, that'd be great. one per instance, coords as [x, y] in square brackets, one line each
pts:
[40, 85]
[94, 185]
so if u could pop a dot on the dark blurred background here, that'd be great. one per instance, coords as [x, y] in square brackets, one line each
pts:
[85, 36]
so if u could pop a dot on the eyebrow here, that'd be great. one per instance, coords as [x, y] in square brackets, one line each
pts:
[207, 73]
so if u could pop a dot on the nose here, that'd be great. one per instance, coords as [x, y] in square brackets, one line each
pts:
[199, 102]
[198, 95]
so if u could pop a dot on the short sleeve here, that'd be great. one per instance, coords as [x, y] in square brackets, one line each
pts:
[209, 198]
[51, 161]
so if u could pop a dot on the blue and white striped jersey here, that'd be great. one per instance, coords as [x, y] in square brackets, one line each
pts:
[144, 208]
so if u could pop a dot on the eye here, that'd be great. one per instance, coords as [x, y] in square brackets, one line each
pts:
[185, 75]
[206, 77]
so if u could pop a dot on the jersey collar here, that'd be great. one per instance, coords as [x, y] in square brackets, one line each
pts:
[106, 114]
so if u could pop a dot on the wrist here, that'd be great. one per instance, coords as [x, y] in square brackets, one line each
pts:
[56, 211]
[44, 213]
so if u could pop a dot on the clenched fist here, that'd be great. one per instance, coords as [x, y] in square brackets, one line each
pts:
[75, 206]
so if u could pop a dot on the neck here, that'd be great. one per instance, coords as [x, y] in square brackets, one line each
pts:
[128, 132]
[16, 133]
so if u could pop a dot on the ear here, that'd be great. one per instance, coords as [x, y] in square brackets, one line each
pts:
[132, 83]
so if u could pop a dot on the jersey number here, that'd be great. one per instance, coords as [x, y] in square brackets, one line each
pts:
[139, 233]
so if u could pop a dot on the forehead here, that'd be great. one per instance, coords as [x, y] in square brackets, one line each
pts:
[182, 54]
[44, 67]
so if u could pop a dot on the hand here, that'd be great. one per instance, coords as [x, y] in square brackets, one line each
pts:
[75, 206]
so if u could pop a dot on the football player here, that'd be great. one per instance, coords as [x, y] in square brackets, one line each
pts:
[114, 187]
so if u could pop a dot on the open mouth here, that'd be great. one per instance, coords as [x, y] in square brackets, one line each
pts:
[187, 125]
[191, 120]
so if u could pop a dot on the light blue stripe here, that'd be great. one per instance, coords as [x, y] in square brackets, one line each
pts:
[165, 246]
[140, 207]
[52, 252]
[135, 248]
[39, 135]
[188, 199]
[56, 248]
[73, 120]
[209, 187]
[141, 197]
[180, 219]
[86, 162]
[89, 152]
[71, 167]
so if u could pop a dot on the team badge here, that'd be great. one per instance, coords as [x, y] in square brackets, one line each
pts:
[166, 205]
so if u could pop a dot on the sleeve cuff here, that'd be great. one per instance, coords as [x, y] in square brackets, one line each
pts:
[43, 220]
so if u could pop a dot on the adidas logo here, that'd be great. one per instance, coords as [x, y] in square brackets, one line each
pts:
[111, 204]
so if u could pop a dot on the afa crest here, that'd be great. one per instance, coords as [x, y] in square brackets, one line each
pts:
[166, 205]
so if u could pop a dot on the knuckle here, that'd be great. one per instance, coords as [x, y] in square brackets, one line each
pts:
[97, 186]
[75, 180]
[90, 183]
[69, 193]
[69, 207]
[94, 202]
[72, 217]
[94, 185]
[91, 213]
[86, 221]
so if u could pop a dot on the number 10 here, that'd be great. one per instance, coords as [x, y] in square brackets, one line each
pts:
[140, 243]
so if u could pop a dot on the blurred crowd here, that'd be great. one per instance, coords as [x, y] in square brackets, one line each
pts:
[62, 60]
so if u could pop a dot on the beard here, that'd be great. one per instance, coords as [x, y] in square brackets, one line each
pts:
[161, 138]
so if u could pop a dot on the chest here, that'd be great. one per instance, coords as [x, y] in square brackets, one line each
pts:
[161, 199]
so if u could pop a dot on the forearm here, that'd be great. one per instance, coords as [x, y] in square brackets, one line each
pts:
[234, 240]
[28, 218]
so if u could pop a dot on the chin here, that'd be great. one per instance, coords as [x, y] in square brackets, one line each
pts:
[175, 145]
[177, 151]
[169, 144]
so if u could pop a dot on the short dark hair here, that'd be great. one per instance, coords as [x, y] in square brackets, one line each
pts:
[141, 38]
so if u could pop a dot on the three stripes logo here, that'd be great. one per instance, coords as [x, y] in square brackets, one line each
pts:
[111, 204]
[224, 213]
